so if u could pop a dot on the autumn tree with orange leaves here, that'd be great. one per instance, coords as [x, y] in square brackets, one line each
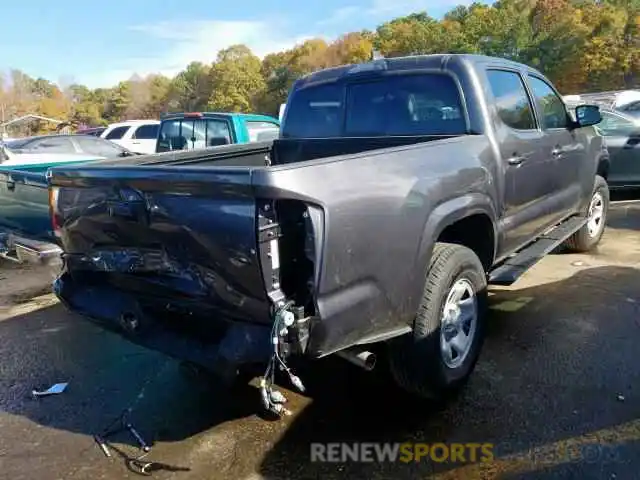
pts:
[581, 46]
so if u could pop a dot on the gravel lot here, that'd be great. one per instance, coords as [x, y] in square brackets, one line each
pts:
[556, 390]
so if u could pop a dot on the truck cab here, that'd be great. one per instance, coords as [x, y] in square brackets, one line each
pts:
[198, 130]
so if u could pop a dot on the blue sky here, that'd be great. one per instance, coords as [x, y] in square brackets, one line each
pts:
[101, 43]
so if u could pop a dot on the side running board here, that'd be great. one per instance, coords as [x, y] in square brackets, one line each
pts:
[507, 272]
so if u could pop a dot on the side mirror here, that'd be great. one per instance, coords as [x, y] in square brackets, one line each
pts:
[587, 115]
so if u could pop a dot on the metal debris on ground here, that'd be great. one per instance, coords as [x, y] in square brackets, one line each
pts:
[103, 445]
[53, 390]
[142, 467]
[140, 464]
[124, 425]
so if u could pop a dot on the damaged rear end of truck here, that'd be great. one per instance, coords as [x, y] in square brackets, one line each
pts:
[197, 263]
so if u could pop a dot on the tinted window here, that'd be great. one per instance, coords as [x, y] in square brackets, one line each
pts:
[315, 112]
[146, 132]
[52, 145]
[511, 99]
[98, 147]
[395, 105]
[614, 125]
[552, 108]
[117, 133]
[191, 134]
[260, 131]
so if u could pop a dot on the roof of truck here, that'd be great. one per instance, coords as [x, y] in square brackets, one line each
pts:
[246, 116]
[434, 61]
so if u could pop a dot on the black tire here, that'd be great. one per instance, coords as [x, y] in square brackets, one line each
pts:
[417, 361]
[583, 240]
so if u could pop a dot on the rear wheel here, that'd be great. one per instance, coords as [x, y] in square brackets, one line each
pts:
[588, 237]
[438, 357]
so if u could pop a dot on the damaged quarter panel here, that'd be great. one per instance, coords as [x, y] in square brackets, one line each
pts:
[379, 228]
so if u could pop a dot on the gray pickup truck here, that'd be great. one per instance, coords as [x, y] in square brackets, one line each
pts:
[397, 192]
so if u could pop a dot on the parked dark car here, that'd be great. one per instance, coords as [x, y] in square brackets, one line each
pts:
[632, 109]
[622, 138]
[397, 191]
[71, 144]
[25, 227]
[95, 132]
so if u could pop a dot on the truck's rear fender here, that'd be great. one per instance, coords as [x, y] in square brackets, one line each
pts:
[371, 212]
[458, 211]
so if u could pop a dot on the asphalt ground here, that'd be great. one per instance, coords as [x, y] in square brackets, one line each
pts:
[556, 391]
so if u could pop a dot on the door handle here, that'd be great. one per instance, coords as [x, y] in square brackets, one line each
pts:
[516, 160]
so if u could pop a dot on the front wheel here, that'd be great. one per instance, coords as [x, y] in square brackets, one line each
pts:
[437, 358]
[588, 237]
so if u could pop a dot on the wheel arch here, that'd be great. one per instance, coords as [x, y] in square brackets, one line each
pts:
[469, 220]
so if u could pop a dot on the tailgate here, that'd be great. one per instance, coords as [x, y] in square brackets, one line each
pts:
[167, 236]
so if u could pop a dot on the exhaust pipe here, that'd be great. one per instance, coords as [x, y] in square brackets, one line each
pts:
[360, 357]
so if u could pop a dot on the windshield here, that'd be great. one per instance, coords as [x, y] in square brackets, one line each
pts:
[426, 104]
[191, 134]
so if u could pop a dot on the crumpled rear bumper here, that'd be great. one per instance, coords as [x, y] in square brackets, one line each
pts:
[197, 336]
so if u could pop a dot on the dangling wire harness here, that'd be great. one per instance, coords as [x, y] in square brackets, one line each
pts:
[272, 399]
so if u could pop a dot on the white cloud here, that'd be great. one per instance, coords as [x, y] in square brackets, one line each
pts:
[193, 41]
[383, 10]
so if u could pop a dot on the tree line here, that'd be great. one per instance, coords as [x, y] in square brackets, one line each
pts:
[581, 45]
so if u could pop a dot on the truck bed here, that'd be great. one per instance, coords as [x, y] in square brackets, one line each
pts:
[278, 152]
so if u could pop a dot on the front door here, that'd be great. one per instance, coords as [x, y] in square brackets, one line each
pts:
[562, 147]
[527, 172]
[622, 137]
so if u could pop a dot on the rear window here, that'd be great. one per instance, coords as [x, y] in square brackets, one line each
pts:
[426, 104]
[192, 134]
[261, 131]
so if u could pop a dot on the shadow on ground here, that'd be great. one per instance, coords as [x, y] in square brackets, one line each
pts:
[625, 215]
[555, 359]
[106, 376]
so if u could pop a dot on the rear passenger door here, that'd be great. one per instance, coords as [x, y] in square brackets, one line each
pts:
[144, 138]
[116, 134]
[526, 170]
[564, 151]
